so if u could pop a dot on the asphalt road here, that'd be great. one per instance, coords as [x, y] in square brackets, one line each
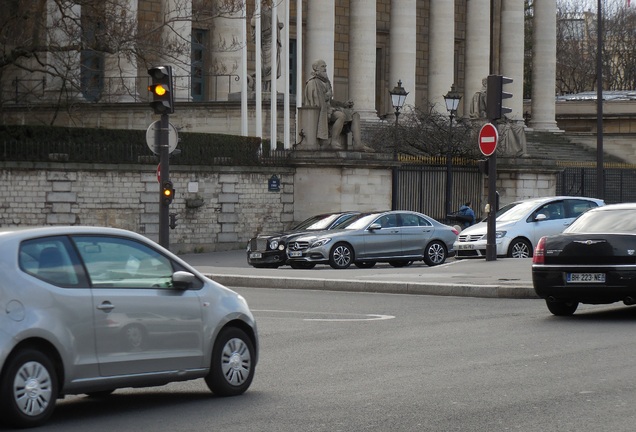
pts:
[341, 361]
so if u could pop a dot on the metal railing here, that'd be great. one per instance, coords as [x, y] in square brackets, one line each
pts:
[207, 88]
[620, 183]
[137, 152]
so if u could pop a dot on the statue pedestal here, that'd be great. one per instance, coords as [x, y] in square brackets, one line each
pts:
[308, 125]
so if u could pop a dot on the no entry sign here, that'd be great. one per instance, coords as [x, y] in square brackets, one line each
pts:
[488, 137]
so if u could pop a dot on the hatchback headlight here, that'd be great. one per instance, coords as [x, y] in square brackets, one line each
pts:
[500, 234]
[320, 242]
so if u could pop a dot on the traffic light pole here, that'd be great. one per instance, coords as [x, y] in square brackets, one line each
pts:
[162, 139]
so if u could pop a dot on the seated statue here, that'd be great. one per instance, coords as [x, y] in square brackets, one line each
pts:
[319, 93]
[478, 106]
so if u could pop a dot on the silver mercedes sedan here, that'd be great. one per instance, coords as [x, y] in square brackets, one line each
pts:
[92, 309]
[396, 237]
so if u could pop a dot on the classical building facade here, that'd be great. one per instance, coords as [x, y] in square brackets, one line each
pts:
[368, 45]
[88, 68]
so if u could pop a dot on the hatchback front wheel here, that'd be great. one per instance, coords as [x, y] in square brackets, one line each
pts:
[520, 248]
[233, 363]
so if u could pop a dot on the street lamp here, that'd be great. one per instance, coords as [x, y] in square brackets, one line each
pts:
[398, 97]
[452, 99]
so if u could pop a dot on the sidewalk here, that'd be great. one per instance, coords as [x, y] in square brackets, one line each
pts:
[502, 278]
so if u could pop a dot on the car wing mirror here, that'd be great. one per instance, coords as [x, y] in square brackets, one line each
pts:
[182, 280]
[540, 217]
[375, 226]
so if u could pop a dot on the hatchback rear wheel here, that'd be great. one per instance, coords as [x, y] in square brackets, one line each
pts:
[28, 389]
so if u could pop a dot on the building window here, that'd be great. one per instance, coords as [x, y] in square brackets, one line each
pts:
[92, 62]
[198, 64]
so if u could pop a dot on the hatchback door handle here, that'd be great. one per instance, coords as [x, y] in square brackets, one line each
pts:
[106, 306]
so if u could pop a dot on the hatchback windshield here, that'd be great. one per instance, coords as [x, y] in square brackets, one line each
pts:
[514, 211]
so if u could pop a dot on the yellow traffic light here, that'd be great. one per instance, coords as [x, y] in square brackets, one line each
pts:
[158, 89]
[161, 88]
[167, 192]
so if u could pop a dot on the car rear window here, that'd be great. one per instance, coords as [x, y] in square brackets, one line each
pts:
[607, 221]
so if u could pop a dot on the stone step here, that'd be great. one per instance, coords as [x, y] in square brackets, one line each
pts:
[570, 148]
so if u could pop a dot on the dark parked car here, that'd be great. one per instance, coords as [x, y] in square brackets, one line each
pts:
[396, 237]
[267, 250]
[593, 261]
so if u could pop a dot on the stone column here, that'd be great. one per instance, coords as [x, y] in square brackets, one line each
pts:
[178, 33]
[512, 53]
[544, 66]
[362, 48]
[402, 46]
[120, 69]
[226, 55]
[63, 29]
[441, 61]
[321, 27]
[477, 49]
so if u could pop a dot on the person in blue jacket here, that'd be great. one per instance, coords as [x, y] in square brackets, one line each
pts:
[468, 215]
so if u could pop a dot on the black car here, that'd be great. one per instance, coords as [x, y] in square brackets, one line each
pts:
[268, 250]
[593, 261]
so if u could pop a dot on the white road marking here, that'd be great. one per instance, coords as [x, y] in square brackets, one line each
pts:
[339, 317]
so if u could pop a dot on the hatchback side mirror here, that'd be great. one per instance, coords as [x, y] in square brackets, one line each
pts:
[182, 280]
[375, 226]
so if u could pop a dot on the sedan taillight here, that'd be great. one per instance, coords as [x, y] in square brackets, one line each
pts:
[539, 252]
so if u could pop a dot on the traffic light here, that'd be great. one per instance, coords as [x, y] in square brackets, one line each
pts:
[495, 96]
[173, 220]
[161, 89]
[167, 192]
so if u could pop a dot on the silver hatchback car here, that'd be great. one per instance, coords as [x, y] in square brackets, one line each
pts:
[87, 310]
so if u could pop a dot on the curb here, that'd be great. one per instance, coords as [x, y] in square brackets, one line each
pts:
[439, 289]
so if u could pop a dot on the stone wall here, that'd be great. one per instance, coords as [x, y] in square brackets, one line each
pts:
[217, 208]
[221, 208]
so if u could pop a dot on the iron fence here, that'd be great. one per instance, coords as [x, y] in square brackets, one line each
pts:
[422, 188]
[205, 88]
[620, 183]
[138, 152]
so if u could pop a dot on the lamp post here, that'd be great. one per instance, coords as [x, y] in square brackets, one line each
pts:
[398, 97]
[451, 99]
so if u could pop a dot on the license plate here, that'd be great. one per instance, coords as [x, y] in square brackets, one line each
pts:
[295, 254]
[462, 246]
[254, 255]
[586, 277]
